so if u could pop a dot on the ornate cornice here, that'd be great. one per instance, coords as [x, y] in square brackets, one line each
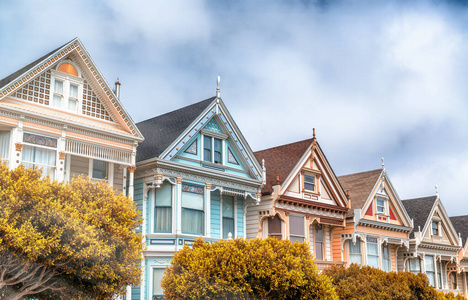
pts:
[310, 210]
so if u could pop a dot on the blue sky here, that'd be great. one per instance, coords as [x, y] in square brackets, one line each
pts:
[375, 78]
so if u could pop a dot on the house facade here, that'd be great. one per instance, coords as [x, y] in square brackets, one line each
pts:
[58, 113]
[460, 223]
[196, 176]
[434, 245]
[377, 225]
[301, 201]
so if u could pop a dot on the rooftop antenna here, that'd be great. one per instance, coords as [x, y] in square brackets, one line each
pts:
[217, 88]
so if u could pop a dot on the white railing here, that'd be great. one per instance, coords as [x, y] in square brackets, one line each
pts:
[98, 152]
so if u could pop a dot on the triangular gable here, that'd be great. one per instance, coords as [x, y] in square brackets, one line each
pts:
[439, 214]
[313, 161]
[217, 118]
[101, 102]
[384, 189]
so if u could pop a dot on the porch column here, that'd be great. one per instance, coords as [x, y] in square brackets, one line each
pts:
[130, 181]
[208, 210]
[179, 205]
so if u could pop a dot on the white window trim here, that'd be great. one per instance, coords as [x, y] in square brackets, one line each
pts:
[385, 199]
[153, 205]
[289, 225]
[67, 80]
[151, 285]
[39, 146]
[213, 136]
[110, 171]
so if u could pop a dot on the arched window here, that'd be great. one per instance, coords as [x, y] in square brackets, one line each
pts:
[66, 90]
[68, 68]
[274, 227]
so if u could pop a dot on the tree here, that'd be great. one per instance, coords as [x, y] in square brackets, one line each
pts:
[245, 269]
[65, 241]
[365, 282]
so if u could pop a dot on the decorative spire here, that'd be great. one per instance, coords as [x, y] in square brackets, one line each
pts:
[117, 88]
[383, 164]
[277, 179]
[437, 191]
[313, 132]
[217, 88]
[347, 193]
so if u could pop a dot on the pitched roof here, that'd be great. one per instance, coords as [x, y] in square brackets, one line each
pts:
[13, 76]
[461, 226]
[360, 186]
[280, 161]
[419, 209]
[161, 131]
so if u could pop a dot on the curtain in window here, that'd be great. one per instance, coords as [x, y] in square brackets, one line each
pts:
[228, 216]
[355, 252]
[192, 213]
[414, 265]
[58, 89]
[372, 252]
[4, 145]
[296, 228]
[274, 227]
[157, 276]
[439, 275]
[387, 259]
[41, 158]
[429, 264]
[163, 208]
[318, 235]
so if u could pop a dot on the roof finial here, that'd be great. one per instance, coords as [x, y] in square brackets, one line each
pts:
[419, 228]
[277, 179]
[437, 190]
[383, 164]
[347, 193]
[117, 88]
[217, 88]
[313, 132]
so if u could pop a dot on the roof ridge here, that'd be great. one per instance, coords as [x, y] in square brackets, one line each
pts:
[284, 145]
[421, 198]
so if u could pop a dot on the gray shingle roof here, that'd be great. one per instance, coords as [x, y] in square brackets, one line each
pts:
[18, 73]
[419, 209]
[461, 226]
[161, 131]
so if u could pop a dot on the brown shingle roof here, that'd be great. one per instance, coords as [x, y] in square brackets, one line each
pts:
[360, 186]
[281, 161]
[461, 226]
[419, 209]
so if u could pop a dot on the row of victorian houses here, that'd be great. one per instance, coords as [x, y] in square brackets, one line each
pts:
[194, 174]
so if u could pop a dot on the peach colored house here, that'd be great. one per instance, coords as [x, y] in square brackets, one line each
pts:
[301, 201]
[377, 225]
[460, 223]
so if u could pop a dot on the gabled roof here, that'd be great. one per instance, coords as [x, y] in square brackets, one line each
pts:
[280, 161]
[360, 186]
[162, 130]
[461, 226]
[13, 82]
[419, 210]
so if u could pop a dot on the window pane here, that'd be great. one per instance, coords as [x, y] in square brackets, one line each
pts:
[217, 145]
[274, 227]
[72, 105]
[192, 200]
[310, 179]
[58, 87]
[355, 252]
[158, 274]
[429, 264]
[415, 266]
[192, 221]
[318, 250]
[228, 227]
[100, 169]
[57, 101]
[39, 157]
[207, 148]
[435, 228]
[4, 145]
[318, 233]
[73, 91]
[296, 225]
[164, 195]
[372, 252]
[163, 219]
[228, 206]
[296, 239]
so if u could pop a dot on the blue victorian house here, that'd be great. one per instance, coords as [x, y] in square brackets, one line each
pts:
[196, 175]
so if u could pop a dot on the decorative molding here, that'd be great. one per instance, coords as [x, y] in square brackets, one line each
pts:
[18, 147]
[309, 210]
[98, 152]
[62, 155]
[131, 169]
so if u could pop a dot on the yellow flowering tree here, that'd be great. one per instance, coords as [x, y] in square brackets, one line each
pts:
[245, 269]
[65, 241]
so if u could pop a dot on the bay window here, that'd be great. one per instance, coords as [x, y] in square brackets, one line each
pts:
[193, 213]
[4, 146]
[296, 229]
[163, 208]
[228, 216]
[372, 252]
[355, 255]
[430, 271]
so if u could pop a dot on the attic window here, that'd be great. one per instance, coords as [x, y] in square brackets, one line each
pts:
[66, 90]
[68, 68]
[435, 228]
[309, 183]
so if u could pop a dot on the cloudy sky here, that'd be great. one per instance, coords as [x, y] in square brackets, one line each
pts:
[375, 78]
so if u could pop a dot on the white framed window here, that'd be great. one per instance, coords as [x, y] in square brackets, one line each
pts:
[318, 241]
[275, 227]
[381, 205]
[296, 228]
[414, 265]
[163, 208]
[228, 216]
[158, 292]
[100, 169]
[355, 255]
[67, 87]
[212, 149]
[193, 209]
[41, 152]
[372, 252]
[439, 274]
[430, 270]
[435, 228]
[309, 183]
[4, 146]
[386, 258]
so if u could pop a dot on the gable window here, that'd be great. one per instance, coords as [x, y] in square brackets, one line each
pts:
[163, 208]
[309, 183]
[4, 146]
[66, 89]
[40, 151]
[430, 271]
[228, 216]
[193, 206]
[274, 227]
[386, 258]
[372, 252]
[435, 228]
[296, 229]
[414, 265]
[318, 239]
[381, 205]
[100, 169]
[212, 150]
[355, 255]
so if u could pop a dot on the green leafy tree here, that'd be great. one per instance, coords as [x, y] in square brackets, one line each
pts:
[365, 282]
[245, 269]
[65, 241]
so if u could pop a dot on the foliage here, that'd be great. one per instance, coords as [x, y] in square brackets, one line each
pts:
[365, 282]
[65, 241]
[245, 269]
